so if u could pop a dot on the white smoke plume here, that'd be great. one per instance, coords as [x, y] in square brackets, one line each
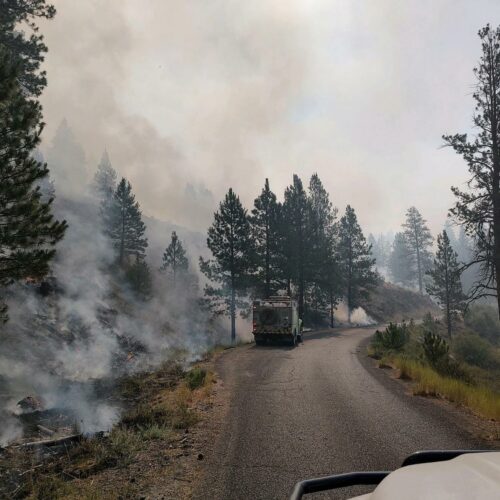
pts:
[358, 316]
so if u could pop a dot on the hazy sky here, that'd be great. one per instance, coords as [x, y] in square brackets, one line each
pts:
[191, 97]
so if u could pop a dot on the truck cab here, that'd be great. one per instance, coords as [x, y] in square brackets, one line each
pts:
[276, 318]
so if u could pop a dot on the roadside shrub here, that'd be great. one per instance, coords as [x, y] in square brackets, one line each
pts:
[483, 319]
[393, 338]
[195, 378]
[436, 354]
[428, 323]
[476, 351]
[435, 348]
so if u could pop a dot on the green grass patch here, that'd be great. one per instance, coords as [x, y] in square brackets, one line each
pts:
[155, 432]
[195, 378]
[428, 382]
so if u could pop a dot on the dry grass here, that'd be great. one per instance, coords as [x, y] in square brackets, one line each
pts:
[55, 488]
[155, 431]
[479, 399]
[117, 450]
[162, 405]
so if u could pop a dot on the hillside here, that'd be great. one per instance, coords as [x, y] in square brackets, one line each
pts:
[388, 302]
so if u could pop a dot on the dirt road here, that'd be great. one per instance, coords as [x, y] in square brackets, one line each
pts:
[318, 409]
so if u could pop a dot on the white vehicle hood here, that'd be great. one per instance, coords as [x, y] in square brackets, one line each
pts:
[467, 477]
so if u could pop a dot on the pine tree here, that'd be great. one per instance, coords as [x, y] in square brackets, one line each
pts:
[446, 286]
[381, 249]
[174, 262]
[28, 231]
[419, 240]
[139, 278]
[46, 184]
[478, 209]
[66, 160]
[296, 239]
[20, 37]
[325, 289]
[124, 225]
[229, 240]
[355, 260]
[264, 222]
[105, 180]
[401, 261]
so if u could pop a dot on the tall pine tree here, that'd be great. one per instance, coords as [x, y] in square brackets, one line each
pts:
[355, 260]
[296, 239]
[174, 262]
[446, 286]
[419, 240]
[401, 261]
[229, 240]
[104, 184]
[28, 231]
[266, 236]
[124, 225]
[478, 208]
[325, 289]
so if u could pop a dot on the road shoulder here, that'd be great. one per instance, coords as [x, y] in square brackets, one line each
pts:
[485, 431]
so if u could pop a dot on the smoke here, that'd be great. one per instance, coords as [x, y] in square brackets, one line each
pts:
[358, 315]
[70, 340]
[205, 91]
[221, 94]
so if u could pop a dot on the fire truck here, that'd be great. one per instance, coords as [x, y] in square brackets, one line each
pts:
[276, 318]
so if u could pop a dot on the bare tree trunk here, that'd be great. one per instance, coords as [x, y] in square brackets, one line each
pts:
[494, 120]
[448, 305]
[122, 242]
[233, 314]
[496, 213]
[268, 264]
[419, 267]
[331, 309]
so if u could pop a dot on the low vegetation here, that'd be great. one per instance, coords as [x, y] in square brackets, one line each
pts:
[464, 369]
[162, 407]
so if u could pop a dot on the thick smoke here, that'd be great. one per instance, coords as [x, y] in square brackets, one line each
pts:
[71, 337]
[226, 93]
[358, 316]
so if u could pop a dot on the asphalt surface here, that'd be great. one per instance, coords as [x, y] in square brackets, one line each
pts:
[319, 409]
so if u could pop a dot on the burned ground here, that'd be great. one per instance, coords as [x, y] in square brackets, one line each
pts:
[155, 451]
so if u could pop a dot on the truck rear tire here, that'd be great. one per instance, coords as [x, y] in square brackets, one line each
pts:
[260, 341]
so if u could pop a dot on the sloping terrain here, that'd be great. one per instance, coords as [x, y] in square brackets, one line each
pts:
[388, 302]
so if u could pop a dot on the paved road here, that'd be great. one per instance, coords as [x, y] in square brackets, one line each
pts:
[318, 409]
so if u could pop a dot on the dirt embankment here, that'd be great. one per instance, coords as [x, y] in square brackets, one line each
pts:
[388, 302]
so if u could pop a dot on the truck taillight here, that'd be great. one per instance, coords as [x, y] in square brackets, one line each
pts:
[254, 325]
